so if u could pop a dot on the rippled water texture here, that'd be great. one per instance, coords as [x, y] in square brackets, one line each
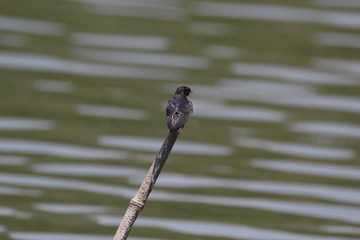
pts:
[271, 151]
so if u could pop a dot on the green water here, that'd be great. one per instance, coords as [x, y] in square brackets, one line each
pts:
[255, 41]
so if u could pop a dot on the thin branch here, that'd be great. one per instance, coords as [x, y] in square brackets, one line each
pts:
[137, 203]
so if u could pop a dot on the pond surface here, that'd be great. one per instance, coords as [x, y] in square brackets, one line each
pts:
[271, 152]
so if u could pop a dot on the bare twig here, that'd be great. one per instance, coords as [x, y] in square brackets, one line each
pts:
[137, 203]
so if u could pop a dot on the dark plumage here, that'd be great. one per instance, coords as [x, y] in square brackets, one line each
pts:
[179, 109]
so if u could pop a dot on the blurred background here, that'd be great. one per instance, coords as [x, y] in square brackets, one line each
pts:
[271, 152]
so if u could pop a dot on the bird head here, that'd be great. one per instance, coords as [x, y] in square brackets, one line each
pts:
[183, 90]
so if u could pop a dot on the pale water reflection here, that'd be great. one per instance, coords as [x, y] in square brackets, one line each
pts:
[13, 160]
[341, 229]
[140, 42]
[291, 73]
[335, 129]
[53, 86]
[60, 208]
[316, 210]
[351, 67]
[93, 170]
[328, 192]
[278, 13]
[154, 144]
[13, 213]
[296, 149]
[23, 124]
[110, 112]
[209, 28]
[309, 209]
[335, 3]
[217, 110]
[62, 183]
[32, 26]
[222, 51]
[9, 145]
[215, 229]
[137, 9]
[152, 59]
[65, 236]
[49, 63]
[308, 168]
[20, 191]
[168, 180]
[337, 39]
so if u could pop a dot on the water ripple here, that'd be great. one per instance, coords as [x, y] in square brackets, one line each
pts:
[154, 144]
[324, 170]
[215, 229]
[297, 149]
[58, 149]
[26, 25]
[21, 124]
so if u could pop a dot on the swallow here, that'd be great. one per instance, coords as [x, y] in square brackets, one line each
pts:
[179, 109]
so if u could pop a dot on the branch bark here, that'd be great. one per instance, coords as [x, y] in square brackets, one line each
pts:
[137, 203]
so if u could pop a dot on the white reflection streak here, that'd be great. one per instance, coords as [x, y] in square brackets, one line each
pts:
[21, 124]
[53, 86]
[209, 28]
[61, 183]
[55, 236]
[111, 112]
[337, 3]
[317, 210]
[337, 129]
[333, 193]
[25, 25]
[70, 208]
[138, 9]
[348, 67]
[155, 59]
[337, 39]
[221, 51]
[58, 149]
[338, 103]
[325, 170]
[13, 160]
[93, 170]
[48, 63]
[154, 144]
[341, 229]
[214, 229]
[343, 19]
[144, 42]
[19, 192]
[206, 109]
[65, 236]
[11, 212]
[292, 73]
[297, 149]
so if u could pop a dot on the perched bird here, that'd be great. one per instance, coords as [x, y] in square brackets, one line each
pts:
[179, 109]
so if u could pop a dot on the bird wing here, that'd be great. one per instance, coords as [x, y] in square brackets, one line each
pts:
[177, 113]
[170, 109]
